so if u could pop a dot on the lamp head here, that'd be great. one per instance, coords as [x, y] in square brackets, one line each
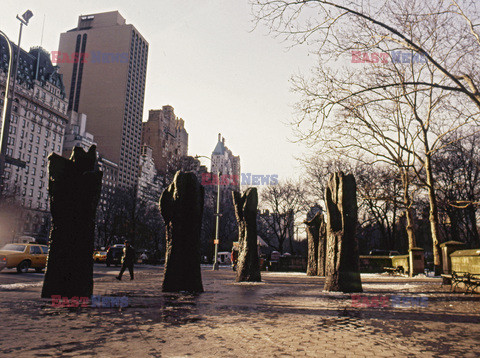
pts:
[26, 17]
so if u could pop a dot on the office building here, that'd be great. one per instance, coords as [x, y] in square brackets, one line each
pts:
[106, 81]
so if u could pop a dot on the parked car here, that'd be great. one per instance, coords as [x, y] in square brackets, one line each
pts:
[377, 252]
[114, 255]
[23, 257]
[100, 256]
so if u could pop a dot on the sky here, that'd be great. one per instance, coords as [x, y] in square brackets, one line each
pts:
[207, 61]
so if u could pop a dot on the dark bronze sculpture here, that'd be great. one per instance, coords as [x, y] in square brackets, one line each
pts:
[74, 187]
[313, 226]
[322, 246]
[342, 262]
[181, 205]
[248, 268]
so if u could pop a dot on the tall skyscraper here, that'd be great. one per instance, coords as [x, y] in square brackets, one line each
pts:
[104, 63]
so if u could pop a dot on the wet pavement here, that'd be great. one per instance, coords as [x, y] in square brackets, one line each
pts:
[286, 315]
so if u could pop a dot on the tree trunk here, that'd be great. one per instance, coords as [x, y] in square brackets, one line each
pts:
[248, 267]
[412, 242]
[342, 261]
[472, 225]
[433, 216]
[74, 187]
[181, 206]
[313, 231]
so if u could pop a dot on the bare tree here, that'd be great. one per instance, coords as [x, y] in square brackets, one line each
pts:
[284, 203]
[424, 97]
[458, 170]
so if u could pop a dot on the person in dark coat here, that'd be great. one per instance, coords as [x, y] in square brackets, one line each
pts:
[127, 260]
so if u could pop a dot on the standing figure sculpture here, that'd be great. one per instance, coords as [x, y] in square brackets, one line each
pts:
[248, 268]
[342, 262]
[74, 187]
[181, 205]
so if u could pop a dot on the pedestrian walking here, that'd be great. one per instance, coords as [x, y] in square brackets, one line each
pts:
[128, 259]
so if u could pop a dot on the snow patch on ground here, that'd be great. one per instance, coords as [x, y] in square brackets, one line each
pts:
[284, 273]
[16, 286]
[249, 283]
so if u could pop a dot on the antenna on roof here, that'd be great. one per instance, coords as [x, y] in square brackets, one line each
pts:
[43, 27]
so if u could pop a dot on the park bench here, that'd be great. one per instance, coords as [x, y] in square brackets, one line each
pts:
[469, 280]
[394, 270]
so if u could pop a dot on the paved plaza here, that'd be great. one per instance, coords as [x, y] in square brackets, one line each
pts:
[286, 315]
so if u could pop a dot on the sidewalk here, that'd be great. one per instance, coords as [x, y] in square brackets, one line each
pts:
[287, 315]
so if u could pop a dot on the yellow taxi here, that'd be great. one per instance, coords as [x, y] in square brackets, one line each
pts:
[100, 256]
[24, 257]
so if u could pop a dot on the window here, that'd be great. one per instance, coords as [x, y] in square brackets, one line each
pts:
[35, 250]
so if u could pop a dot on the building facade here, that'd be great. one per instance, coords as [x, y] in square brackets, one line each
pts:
[149, 183]
[76, 134]
[165, 133]
[107, 83]
[37, 127]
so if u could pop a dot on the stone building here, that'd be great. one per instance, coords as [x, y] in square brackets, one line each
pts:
[165, 133]
[37, 127]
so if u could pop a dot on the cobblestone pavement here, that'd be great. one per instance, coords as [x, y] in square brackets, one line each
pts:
[287, 315]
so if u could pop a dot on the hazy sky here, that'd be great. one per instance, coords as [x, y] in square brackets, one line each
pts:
[206, 62]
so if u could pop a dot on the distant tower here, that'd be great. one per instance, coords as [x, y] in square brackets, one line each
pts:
[223, 161]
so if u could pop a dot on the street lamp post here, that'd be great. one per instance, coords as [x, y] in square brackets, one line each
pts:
[9, 96]
[217, 223]
[217, 218]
